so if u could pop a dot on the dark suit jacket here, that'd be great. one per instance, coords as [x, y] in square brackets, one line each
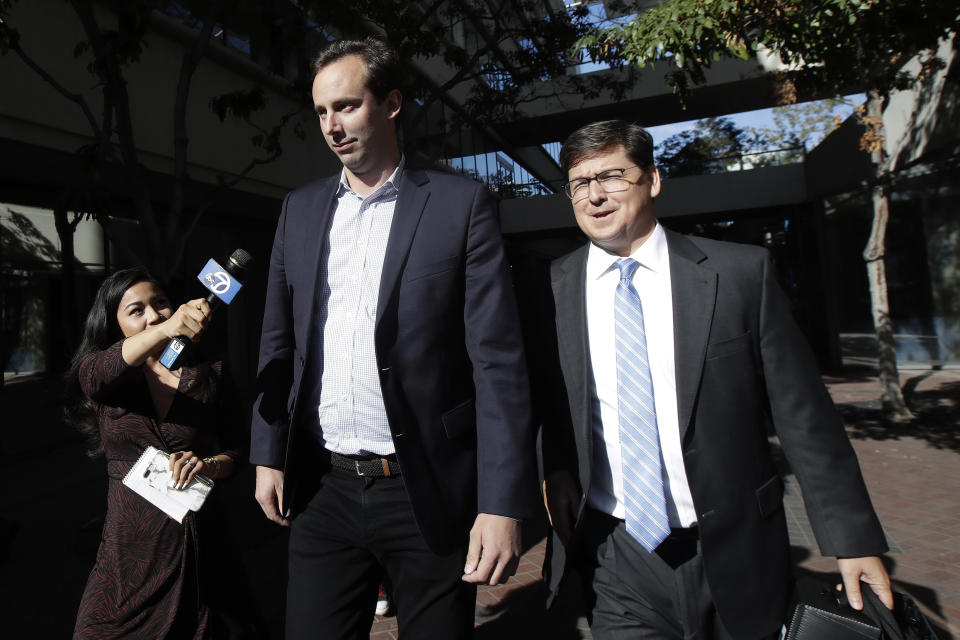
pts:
[448, 345]
[741, 362]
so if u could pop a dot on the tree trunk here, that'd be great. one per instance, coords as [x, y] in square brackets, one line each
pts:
[894, 405]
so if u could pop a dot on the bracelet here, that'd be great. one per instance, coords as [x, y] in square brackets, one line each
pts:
[214, 462]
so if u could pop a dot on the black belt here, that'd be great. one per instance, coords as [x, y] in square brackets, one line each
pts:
[367, 466]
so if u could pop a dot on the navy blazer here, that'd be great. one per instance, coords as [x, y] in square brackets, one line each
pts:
[448, 345]
[741, 363]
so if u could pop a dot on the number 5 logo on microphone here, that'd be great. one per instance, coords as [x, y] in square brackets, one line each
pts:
[217, 280]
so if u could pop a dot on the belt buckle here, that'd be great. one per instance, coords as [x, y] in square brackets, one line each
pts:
[356, 463]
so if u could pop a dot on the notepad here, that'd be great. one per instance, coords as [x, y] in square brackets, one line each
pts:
[151, 478]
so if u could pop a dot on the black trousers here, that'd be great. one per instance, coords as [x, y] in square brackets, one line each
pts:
[635, 594]
[353, 531]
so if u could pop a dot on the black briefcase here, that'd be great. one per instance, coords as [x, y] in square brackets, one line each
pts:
[822, 613]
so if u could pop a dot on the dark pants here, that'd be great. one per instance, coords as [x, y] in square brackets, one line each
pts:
[353, 530]
[636, 594]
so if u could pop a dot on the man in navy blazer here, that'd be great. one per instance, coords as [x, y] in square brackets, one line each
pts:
[726, 359]
[391, 429]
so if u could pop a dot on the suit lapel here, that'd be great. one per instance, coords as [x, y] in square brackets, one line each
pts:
[568, 281]
[315, 228]
[411, 201]
[694, 298]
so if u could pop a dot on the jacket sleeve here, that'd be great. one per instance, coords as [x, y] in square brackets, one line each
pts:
[270, 422]
[103, 374]
[506, 461]
[551, 409]
[812, 433]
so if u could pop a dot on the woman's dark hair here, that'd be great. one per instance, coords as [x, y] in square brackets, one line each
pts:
[384, 71]
[100, 330]
[599, 137]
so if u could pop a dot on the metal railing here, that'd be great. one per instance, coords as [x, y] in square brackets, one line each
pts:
[737, 162]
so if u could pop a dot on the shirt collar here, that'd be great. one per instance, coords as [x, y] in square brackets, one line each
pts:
[390, 186]
[652, 255]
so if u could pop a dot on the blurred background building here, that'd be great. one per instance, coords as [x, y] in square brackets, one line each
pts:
[208, 121]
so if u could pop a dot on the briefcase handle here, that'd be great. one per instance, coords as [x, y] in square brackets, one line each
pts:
[905, 622]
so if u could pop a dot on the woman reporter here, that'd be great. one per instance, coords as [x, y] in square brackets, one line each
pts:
[149, 580]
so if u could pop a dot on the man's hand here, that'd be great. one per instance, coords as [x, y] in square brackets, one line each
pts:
[870, 569]
[269, 492]
[494, 551]
[561, 498]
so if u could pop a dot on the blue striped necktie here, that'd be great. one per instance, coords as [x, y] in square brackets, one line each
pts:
[646, 506]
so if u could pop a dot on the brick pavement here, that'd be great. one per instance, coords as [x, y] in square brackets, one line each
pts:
[914, 482]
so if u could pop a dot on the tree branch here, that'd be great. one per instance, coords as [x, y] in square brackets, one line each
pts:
[59, 88]
[222, 186]
[188, 67]
[116, 87]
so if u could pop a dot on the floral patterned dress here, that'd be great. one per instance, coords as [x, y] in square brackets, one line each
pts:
[146, 582]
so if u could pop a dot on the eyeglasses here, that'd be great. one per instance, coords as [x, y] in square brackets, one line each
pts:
[610, 181]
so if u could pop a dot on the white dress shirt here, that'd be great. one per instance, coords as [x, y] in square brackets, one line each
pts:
[351, 413]
[652, 282]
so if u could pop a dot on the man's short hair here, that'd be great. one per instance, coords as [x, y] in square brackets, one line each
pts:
[596, 138]
[382, 62]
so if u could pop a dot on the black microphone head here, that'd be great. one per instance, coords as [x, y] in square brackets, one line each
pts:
[241, 259]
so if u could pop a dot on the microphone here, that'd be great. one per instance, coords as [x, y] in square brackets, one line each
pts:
[223, 285]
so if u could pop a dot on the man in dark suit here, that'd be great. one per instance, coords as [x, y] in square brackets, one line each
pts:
[671, 354]
[391, 429]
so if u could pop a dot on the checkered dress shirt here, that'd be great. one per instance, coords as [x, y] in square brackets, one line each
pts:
[351, 413]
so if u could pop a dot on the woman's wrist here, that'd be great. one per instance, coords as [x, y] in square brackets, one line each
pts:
[218, 466]
[215, 465]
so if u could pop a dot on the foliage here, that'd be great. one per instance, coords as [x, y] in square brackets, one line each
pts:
[503, 184]
[241, 103]
[717, 145]
[829, 45]
[710, 147]
[804, 124]
[486, 58]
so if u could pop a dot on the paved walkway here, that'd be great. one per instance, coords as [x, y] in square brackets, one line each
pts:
[52, 503]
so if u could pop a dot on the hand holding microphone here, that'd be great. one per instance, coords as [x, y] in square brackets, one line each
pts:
[189, 321]
[193, 317]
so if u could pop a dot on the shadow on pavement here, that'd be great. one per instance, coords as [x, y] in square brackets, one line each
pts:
[521, 615]
[937, 418]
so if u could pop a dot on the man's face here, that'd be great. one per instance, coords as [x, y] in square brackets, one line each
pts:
[358, 128]
[618, 221]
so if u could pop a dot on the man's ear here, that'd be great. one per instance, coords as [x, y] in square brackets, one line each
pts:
[654, 182]
[393, 101]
